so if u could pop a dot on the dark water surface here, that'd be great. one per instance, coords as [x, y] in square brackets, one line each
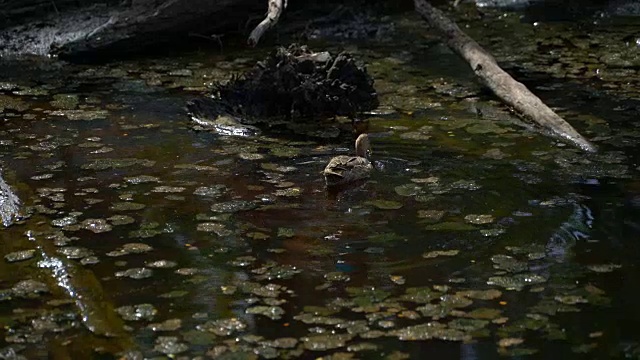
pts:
[475, 237]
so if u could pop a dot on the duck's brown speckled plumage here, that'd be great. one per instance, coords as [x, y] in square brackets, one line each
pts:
[344, 169]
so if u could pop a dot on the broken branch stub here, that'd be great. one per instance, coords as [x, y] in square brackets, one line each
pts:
[273, 15]
[510, 91]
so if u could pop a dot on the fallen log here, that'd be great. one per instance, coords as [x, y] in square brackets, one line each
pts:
[510, 91]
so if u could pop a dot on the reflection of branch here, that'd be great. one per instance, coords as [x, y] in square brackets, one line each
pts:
[213, 37]
[275, 10]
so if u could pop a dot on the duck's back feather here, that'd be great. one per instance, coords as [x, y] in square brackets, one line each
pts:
[344, 169]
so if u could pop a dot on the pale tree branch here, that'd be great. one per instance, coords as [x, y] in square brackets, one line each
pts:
[276, 7]
[510, 91]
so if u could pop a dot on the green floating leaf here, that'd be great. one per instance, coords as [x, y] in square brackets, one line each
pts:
[385, 204]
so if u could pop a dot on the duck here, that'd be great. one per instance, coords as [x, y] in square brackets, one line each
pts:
[344, 169]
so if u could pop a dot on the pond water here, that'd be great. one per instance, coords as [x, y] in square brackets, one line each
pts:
[475, 236]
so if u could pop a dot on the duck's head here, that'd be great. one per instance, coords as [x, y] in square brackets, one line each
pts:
[363, 148]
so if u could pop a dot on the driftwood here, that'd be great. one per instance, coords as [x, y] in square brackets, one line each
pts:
[512, 92]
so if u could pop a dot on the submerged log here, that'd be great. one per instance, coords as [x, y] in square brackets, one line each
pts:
[510, 91]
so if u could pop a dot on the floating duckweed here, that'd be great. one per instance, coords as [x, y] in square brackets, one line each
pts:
[285, 232]
[138, 312]
[9, 102]
[508, 263]
[73, 252]
[269, 290]
[506, 342]
[233, 206]
[436, 253]
[187, 271]
[168, 189]
[281, 272]
[272, 312]
[290, 192]
[385, 204]
[135, 273]
[223, 327]
[65, 101]
[468, 324]
[466, 185]
[318, 319]
[257, 235]
[284, 151]
[131, 248]
[103, 164]
[282, 343]
[479, 219]
[167, 325]
[325, 342]
[210, 191]
[373, 334]
[604, 268]
[162, 264]
[141, 179]
[42, 177]
[431, 215]
[19, 255]
[217, 228]
[570, 299]
[485, 127]
[127, 206]
[96, 225]
[65, 221]
[250, 156]
[407, 189]
[174, 294]
[170, 345]
[337, 276]
[420, 295]
[116, 220]
[492, 232]
[80, 115]
[89, 260]
[481, 294]
[243, 261]
[430, 330]
[414, 135]
[29, 289]
[516, 282]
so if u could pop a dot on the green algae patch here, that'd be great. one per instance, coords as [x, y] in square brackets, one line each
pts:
[385, 204]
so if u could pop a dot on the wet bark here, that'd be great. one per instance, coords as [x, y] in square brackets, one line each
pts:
[510, 91]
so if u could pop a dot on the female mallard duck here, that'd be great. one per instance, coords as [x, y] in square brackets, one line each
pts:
[344, 169]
